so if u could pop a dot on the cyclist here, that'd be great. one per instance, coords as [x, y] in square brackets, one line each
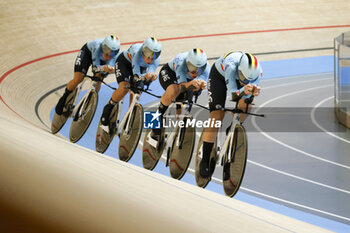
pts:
[137, 61]
[100, 53]
[237, 75]
[185, 70]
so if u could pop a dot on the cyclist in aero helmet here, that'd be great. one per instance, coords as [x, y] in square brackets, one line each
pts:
[100, 53]
[139, 60]
[237, 75]
[187, 70]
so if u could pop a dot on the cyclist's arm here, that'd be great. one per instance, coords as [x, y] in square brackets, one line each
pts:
[136, 66]
[184, 85]
[114, 59]
[205, 73]
[230, 78]
[182, 76]
[154, 65]
[151, 71]
[96, 52]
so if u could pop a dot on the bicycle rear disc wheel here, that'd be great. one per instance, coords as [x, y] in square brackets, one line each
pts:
[236, 168]
[150, 154]
[58, 121]
[201, 181]
[104, 139]
[81, 122]
[128, 141]
[180, 158]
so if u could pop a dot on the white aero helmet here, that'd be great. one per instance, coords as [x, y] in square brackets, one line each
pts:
[110, 44]
[196, 59]
[151, 48]
[248, 68]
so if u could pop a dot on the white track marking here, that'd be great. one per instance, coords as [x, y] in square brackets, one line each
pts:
[284, 201]
[298, 177]
[283, 173]
[296, 204]
[286, 145]
[297, 82]
[297, 76]
[313, 118]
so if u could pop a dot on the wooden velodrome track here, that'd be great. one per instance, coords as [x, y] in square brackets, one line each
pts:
[49, 184]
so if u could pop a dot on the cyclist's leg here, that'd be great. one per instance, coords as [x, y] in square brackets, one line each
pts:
[242, 105]
[216, 97]
[101, 76]
[123, 75]
[168, 81]
[82, 64]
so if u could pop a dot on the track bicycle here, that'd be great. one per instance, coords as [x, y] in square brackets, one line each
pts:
[232, 153]
[178, 144]
[81, 112]
[129, 128]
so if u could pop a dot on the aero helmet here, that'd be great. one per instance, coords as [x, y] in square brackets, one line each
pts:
[248, 68]
[151, 48]
[110, 44]
[196, 59]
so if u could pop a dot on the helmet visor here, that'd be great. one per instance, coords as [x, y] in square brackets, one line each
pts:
[191, 68]
[109, 52]
[242, 78]
[147, 53]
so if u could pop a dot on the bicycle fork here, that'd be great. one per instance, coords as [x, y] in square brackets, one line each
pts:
[129, 115]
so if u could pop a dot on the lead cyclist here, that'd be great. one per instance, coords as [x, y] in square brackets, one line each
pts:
[237, 75]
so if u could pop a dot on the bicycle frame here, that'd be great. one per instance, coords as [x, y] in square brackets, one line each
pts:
[169, 141]
[126, 119]
[229, 138]
[84, 98]
[172, 134]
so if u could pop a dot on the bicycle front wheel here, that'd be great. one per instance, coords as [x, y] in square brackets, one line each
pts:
[104, 139]
[201, 181]
[181, 151]
[234, 167]
[58, 121]
[129, 138]
[83, 117]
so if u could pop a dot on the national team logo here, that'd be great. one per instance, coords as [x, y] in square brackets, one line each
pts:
[151, 120]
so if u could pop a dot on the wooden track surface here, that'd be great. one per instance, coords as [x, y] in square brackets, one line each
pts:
[78, 190]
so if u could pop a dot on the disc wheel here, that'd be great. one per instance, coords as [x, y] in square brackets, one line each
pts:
[58, 121]
[103, 138]
[129, 138]
[81, 121]
[181, 153]
[201, 181]
[150, 154]
[233, 171]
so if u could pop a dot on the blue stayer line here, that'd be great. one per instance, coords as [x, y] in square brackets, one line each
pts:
[271, 69]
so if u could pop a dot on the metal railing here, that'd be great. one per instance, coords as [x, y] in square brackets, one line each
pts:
[342, 78]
